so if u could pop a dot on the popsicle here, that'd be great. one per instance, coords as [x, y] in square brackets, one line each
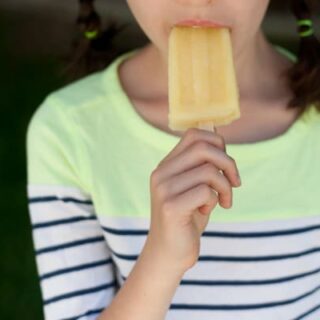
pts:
[203, 90]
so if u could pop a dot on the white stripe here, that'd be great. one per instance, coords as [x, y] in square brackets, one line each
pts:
[79, 305]
[260, 246]
[254, 294]
[75, 281]
[313, 316]
[63, 234]
[254, 270]
[55, 210]
[70, 257]
[285, 312]
[288, 311]
[43, 212]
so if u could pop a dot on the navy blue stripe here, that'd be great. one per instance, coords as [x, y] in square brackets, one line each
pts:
[88, 313]
[140, 232]
[308, 312]
[235, 259]
[262, 234]
[241, 306]
[125, 232]
[243, 282]
[180, 306]
[55, 198]
[80, 293]
[61, 221]
[259, 258]
[75, 268]
[69, 245]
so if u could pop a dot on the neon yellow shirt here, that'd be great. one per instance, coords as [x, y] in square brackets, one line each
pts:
[89, 160]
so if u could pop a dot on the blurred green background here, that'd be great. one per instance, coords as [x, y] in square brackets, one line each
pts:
[34, 37]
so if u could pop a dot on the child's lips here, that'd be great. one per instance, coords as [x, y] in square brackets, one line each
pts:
[201, 23]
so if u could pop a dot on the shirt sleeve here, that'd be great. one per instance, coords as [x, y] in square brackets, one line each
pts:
[76, 273]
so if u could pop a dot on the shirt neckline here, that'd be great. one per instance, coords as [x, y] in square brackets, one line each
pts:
[162, 139]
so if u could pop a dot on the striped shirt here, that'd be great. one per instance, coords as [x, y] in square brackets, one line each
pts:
[89, 160]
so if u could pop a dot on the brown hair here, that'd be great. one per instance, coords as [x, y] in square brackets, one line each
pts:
[88, 56]
[304, 75]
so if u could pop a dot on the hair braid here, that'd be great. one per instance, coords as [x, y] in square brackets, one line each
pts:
[91, 54]
[304, 75]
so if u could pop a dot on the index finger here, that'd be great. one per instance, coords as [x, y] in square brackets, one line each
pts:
[192, 135]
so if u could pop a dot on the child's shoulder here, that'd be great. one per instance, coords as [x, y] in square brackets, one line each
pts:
[96, 91]
[85, 91]
[58, 109]
[73, 98]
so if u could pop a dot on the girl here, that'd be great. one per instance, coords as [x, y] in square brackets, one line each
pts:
[124, 211]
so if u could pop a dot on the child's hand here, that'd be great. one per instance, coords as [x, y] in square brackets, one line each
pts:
[182, 194]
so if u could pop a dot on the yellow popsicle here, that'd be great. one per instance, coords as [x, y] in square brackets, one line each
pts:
[202, 80]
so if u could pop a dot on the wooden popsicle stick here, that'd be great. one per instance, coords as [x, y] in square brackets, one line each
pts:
[207, 125]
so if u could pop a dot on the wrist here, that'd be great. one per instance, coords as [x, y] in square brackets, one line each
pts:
[159, 257]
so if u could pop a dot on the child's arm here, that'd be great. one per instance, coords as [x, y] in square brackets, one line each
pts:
[75, 266]
[148, 291]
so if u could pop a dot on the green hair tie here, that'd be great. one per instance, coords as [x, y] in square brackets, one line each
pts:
[307, 23]
[91, 34]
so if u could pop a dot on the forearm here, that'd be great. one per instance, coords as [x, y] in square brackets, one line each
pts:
[147, 292]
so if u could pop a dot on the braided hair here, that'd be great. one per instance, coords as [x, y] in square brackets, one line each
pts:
[95, 49]
[304, 76]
